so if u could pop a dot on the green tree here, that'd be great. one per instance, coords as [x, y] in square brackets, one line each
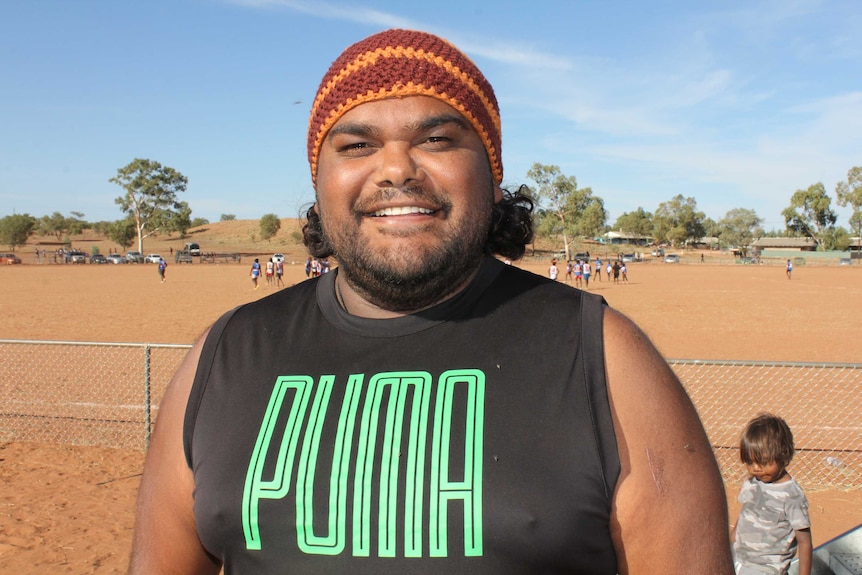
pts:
[227, 217]
[53, 225]
[711, 228]
[269, 226]
[850, 194]
[150, 196]
[123, 232]
[564, 209]
[738, 228]
[810, 214]
[545, 224]
[181, 220]
[586, 213]
[836, 238]
[15, 229]
[58, 225]
[198, 222]
[76, 223]
[551, 192]
[678, 221]
[638, 222]
[101, 228]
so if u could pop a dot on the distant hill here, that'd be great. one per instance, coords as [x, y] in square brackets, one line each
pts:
[233, 236]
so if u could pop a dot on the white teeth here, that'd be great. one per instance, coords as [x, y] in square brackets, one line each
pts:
[402, 211]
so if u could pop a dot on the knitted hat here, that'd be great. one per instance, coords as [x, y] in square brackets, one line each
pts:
[398, 63]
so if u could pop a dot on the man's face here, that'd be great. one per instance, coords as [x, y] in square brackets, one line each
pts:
[405, 194]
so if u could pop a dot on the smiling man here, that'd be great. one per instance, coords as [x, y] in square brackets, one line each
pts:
[424, 408]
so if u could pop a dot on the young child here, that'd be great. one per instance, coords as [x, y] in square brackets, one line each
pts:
[773, 520]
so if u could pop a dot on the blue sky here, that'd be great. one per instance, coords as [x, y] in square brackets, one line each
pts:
[735, 103]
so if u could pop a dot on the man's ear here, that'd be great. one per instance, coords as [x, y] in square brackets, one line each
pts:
[498, 194]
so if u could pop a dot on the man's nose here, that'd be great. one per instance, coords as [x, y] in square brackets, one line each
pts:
[398, 166]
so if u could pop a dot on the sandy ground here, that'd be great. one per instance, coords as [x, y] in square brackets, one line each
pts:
[70, 510]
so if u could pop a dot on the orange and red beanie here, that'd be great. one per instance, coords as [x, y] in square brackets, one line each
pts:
[398, 63]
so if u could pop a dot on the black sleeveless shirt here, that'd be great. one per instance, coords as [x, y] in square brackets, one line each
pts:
[474, 437]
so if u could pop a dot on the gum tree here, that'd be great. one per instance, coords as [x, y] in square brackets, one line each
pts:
[122, 232]
[16, 229]
[150, 197]
[678, 220]
[810, 214]
[739, 227]
[638, 222]
[565, 209]
[850, 194]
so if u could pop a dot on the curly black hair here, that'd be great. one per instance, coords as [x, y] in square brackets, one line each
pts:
[511, 227]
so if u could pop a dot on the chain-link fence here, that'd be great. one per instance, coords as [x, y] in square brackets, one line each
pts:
[820, 401]
[80, 393]
[108, 395]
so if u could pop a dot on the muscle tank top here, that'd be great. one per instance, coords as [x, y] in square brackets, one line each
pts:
[474, 437]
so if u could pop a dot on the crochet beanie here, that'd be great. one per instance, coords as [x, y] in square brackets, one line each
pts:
[398, 63]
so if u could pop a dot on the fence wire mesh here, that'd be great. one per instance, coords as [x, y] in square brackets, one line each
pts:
[107, 394]
[79, 393]
[820, 402]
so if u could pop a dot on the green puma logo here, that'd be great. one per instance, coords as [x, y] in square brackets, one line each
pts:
[441, 488]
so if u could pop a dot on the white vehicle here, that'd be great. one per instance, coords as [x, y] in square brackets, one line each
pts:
[152, 259]
[193, 248]
[278, 258]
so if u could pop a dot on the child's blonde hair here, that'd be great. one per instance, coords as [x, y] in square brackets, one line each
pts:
[765, 439]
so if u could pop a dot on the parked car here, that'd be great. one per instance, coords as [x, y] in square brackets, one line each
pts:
[152, 259]
[278, 258]
[193, 248]
[134, 257]
[9, 259]
[845, 262]
[582, 256]
[628, 258]
[98, 259]
[76, 257]
[115, 259]
[671, 259]
[183, 257]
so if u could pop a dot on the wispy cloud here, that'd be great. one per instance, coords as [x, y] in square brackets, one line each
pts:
[495, 50]
[331, 11]
[708, 104]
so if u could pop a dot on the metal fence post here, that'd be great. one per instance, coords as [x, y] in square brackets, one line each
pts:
[148, 406]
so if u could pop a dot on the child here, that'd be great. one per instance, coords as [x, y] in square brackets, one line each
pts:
[773, 520]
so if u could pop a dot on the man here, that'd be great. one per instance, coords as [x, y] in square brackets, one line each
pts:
[162, 267]
[424, 408]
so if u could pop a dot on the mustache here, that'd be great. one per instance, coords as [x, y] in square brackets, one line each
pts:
[384, 195]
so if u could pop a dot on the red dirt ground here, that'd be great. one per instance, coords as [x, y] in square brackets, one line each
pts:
[69, 509]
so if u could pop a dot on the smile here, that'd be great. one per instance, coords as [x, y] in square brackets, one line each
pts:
[402, 211]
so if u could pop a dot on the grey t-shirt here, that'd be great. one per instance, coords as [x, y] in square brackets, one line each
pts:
[770, 515]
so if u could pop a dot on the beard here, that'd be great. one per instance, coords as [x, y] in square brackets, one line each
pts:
[410, 277]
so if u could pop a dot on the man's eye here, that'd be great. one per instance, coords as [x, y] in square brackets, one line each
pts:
[354, 147]
[438, 141]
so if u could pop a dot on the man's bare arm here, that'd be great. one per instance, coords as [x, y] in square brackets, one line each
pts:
[670, 511]
[166, 540]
